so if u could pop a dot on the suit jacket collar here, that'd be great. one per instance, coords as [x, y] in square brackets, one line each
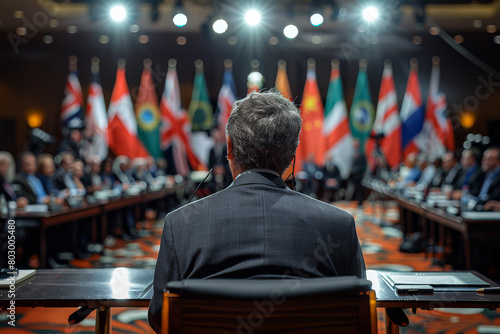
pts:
[260, 176]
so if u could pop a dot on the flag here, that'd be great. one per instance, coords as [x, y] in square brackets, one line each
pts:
[200, 110]
[72, 104]
[96, 121]
[122, 125]
[336, 131]
[148, 115]
[282, 84]
[362, 112]
[436, 131]
[311, 139]
[176, 129]
[387, 124]
[412, 112]
[226, 98]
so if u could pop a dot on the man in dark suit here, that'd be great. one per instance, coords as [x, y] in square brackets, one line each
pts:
[490, 164]
[257, 227]
[26, 184]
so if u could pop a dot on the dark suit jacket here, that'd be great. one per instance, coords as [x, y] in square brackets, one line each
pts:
[475, 181]
[257, 227]
[493, 191]
[23, 189]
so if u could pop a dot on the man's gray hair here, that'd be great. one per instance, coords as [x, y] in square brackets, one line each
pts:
[264, 128]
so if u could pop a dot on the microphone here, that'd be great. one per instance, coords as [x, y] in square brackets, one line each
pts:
[80, 315]
[208, 174]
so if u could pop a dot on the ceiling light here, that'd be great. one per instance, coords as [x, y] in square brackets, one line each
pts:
[118, 13]
[370, 14]
[291, 31]
[316, 19]
[220, 26]
[180, 19]
[252, 17]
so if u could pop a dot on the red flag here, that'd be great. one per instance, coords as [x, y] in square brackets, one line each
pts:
[176, 129]
[436, 136]
[311, 139]
[122, 123]
[387, 123]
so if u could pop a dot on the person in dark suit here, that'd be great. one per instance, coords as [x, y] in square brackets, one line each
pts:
[6, 176]
[257, 227]
[449, 172]
[490, 188]
[471, 176]
[27, 184]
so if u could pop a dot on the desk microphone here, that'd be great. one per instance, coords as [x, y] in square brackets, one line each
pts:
[80, 315]
[208, 174]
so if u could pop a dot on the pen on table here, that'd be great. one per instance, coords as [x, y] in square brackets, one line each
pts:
[489, 290]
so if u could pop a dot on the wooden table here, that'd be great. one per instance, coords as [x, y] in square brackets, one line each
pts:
[99, 210]
[122, 287]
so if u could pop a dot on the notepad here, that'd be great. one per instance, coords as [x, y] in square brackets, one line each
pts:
[434, 279]
[24, 274]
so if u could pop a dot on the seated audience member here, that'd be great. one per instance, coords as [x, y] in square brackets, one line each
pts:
[92, 177]
[256, 227]
[161, 167]
[123, 171]
[107, 176]
[46, 171]
[414, 170]
[449, 172]
[490, 189]
[379, 169]
[63, 178]
[429, 169]
[310, 168]
[6, 176]
[27, 184]
[141, 171]
[331, 179]
[471, 175]
[151, 165]
[78, 173]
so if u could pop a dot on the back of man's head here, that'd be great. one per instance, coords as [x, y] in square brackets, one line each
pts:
[264, 129]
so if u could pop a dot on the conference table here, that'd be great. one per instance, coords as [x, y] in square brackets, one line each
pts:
[435, 218]
[94, 212]
[102, 289]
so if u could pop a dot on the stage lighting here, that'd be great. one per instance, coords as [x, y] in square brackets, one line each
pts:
[220, 26]
[252, 17]
[180, 19]
[118, 13]
[291, 31]
[370, 14]
[316, 19]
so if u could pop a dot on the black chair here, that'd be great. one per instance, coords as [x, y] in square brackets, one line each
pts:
[317, 305]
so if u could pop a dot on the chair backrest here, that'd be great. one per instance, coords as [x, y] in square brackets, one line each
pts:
[316, 305]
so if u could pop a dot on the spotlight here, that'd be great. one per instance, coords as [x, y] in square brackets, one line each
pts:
[316, 19]
[370, 14]
[180, 19]
[252, 17]
[118, 13]
[291, 31]
[220, 26]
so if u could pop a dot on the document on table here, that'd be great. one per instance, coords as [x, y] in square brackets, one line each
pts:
[24, 274]
[434, 279]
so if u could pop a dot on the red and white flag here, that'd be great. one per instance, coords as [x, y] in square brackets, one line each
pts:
[336, 130]
[387, 124]
[175, 130]
[122, 125]
[72, 104]
[96, 121]
[437, 133]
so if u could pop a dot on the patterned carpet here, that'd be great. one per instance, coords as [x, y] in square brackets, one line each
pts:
[380, 242]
